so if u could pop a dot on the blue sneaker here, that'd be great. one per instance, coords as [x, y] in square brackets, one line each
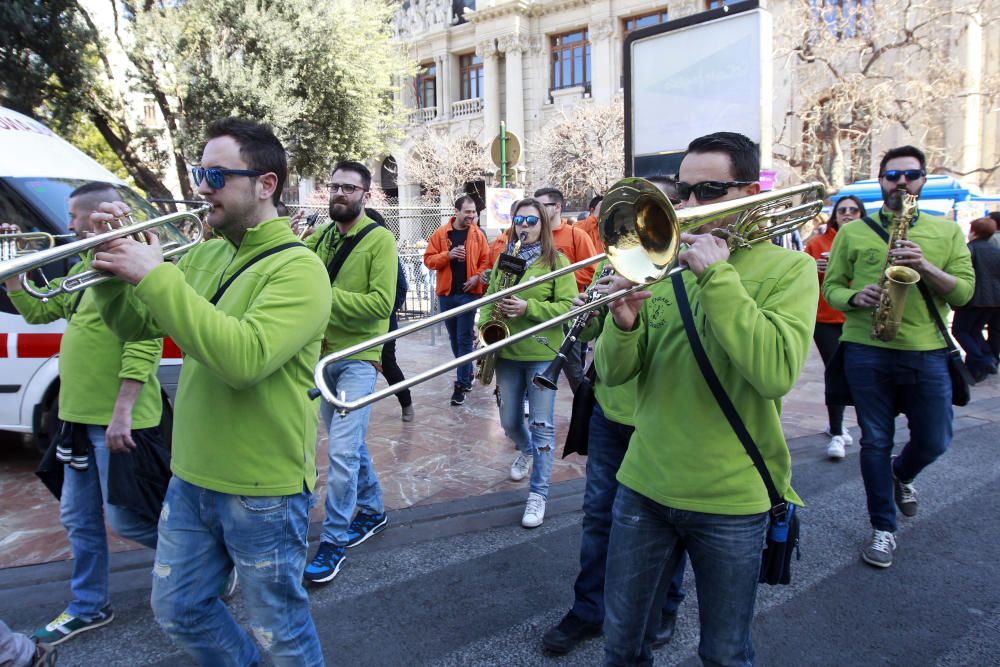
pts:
[325, 564]
[364, 526]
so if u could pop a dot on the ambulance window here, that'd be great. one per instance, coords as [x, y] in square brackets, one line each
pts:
[13, 210]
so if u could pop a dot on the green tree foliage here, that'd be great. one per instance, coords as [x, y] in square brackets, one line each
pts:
[321, 73]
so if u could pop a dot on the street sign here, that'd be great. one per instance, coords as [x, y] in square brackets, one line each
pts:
[513, 150]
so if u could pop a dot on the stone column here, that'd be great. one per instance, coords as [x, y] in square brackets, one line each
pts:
[444, 86]
[491, 86]
[603, 82]
[513, 47]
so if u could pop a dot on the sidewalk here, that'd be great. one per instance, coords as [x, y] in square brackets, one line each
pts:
[447, 453]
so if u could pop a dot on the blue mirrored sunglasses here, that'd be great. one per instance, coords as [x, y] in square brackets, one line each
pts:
[530, 220]
[216, 176]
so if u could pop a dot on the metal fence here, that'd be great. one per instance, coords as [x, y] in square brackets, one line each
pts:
[412, 226]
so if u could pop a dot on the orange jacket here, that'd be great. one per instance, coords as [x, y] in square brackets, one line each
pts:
[570, 241]
[589, 225]
[477, 257]
[817, 245]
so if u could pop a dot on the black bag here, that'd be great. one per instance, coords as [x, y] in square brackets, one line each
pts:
[782, 540]
[783, 520]
[579, 422]
[138, 479]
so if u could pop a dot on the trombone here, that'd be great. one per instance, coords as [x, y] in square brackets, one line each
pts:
[641, 231]
[21, 264]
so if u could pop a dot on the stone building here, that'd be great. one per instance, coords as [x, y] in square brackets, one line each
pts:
[522, 61]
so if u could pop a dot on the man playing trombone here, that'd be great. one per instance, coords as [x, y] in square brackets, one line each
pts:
[108, 393]
[248, 310]
[687, 483]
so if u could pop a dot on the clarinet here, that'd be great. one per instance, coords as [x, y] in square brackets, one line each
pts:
[548, 378]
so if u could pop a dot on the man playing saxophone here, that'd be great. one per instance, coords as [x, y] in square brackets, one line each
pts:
[908, 373]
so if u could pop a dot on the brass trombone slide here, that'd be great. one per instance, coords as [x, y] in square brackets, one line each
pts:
[642, 233]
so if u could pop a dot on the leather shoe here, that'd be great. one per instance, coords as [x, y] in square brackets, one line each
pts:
[666, 632]
[563, 638]
[407, 413]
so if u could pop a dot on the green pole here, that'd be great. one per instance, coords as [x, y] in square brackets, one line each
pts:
[503, 154]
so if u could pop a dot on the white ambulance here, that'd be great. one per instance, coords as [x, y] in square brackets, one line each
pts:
[38, 170]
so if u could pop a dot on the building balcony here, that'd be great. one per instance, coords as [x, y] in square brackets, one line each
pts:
[420, 116]
[464, 108]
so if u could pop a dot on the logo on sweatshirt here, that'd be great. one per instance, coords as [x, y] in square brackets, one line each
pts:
[874, 256]
[657, 309]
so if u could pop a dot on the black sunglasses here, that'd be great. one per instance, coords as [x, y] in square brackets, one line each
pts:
[707, 190]
[216, 176]
[894, 175]
[530, 220]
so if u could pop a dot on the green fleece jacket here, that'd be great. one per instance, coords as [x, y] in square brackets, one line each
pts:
[856, 259]
[244, 422]
[618, 402]
[93, 361]
[364, 290]
[755, 316]
[545, 301]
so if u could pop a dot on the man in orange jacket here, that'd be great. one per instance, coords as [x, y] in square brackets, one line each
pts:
[459, 252]
[589, 224]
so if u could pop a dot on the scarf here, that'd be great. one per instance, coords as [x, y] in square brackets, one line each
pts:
[529, 252]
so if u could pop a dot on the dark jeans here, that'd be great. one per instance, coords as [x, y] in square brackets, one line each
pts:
[461, 333]
[827, 338]
[883, 383]
[968, 328]
[606, 448]
[647, 540]
[390, 368]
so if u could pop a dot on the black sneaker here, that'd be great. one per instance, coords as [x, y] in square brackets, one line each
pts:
[666, 632]
[325, 564]
[904, 494]
[364, 526]
[66, 626]
[563, 638]
[458, 396]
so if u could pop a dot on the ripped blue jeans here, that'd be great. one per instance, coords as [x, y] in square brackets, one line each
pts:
[205, 534]
[536, 438]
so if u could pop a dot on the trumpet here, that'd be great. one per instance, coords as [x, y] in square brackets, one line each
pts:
[80, 281]
[20, 244]
[641, 231]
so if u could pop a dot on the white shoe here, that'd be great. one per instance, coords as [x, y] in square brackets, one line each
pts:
[519, 468]
[835, 450]
[848, 440]
[534, 511]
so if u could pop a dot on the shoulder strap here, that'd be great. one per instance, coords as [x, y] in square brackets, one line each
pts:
[778, 505]
[256, 258]
[333, 268]
[876, 228]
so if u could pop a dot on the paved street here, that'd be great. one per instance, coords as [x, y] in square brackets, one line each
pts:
[460, 583]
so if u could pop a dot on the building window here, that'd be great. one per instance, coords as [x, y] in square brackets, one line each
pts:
[427, 87]
[470, 67]
[653, 18]
[458, 8]
[844, 19]
[571, 59]
[719, 4]
[149, 113]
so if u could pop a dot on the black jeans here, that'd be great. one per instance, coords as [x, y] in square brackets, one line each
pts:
[390, 369]
[827, 338]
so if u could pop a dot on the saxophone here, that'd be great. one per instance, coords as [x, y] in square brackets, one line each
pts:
[495, 329]
[895, 280]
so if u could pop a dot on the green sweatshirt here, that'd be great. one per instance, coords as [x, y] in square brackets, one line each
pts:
[618, 402]
[856, 260]
[365, 288]
[93, 361]
[755, 316]
[244, 424]
[545, 301]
